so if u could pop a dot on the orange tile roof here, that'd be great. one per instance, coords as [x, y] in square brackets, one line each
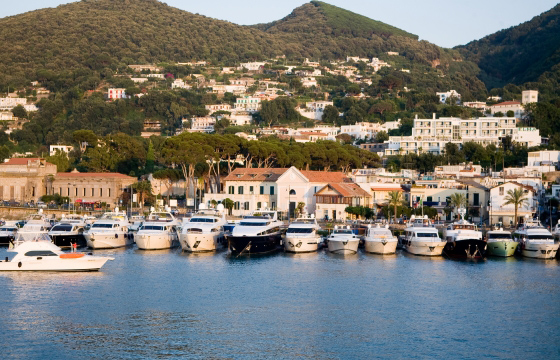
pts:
[508, 103]
[325, 176]
[255, 174]
[19, 161]
[91, 175]
[347, 189]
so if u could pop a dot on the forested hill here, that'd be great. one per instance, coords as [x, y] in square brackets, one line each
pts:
[519, 54]
[99, 34]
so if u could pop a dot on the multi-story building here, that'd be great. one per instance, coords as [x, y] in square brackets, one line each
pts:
[180, 84]
[363, 130]
[529, 96]
[8, 103]
[443, 96]
[234, 89]
[314, 109]
[248, 103]
[431, 135]
[506, 106]
[252, 66]
[116, 93]
[61, 148]
[202, 124]
[217, 107]
[499, 212]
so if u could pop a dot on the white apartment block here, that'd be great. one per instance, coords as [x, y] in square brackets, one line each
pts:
[248, 103]
[506, 106]
[8, 103]
[443, 96]
[252, 66]
[116, 93]
[202, 124]
[539, 158]
[234, 89]
[431, 135]
[139, 80]
[239, 118]
[364, 130]
[478, 105]
[61, 148]
[529, 96]
[217, 107]
[356, 59]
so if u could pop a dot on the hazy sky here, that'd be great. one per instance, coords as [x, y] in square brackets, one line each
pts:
[445, 23]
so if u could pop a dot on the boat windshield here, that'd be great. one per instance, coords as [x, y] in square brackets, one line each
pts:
[102, 226]
[299, 231]
[343, 231]
[203, 220]
[249, 223]
[463, 227]
[540, 237]
[62, 227]
[499, 236]
[151, 227]
[10, 229]
[431, 235]
[305, 221]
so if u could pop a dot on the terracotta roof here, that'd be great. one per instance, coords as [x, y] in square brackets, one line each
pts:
[508, 103]
[325, 176]
[91, 175]
[255, 174]
[347, 189]
[20, 161]
[386, 189]
[313, 133]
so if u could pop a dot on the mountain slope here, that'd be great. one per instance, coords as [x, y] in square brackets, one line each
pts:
[519, 54]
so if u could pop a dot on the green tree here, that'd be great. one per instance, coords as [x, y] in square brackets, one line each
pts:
[19, 111]
[516, 198]
[381, 137]
[169, 177]
[330, 114]
[228, 204]
[61, 160]
[143, 189]
[394, 199]
[458, 201]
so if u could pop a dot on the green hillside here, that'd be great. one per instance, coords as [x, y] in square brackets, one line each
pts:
[519, 54]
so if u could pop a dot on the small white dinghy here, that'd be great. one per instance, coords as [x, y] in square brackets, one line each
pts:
[40, 255]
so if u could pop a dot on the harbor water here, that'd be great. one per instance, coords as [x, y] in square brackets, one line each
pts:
[165, 304]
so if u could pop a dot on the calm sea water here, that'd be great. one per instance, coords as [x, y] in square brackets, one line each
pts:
[166, 304]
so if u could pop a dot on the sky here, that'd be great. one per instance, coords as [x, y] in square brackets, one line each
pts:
[445, 23]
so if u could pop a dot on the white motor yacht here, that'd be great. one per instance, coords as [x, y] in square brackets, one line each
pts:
[258, 233]
[110, 231]
[343, 241]
[463, 239]
[535, 241]
[158, 231]
[302, 236]
[45, 256]
[380, 240]
[69, 230]
[36, 221]
[422, 238]
[204, 231]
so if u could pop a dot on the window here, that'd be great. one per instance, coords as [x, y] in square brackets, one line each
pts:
[246, 205]
[502, 191]
[68, 191]
[84, 191]
[231, 190]
[292, 192]
[272, 190]
[476, 199]
[76, 191]
[429, 199]
[236, 205]
[273, 206]
[240, 190]
[259, 205]
[92, 192]
[109, 192]
[251, 190]
[100, 192]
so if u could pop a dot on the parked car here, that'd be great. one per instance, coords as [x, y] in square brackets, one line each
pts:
[41, 205]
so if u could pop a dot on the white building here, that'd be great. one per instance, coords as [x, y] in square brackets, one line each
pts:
[240, 118]
[499, 212]
[202, 124]
[8, 103]
[156, 76]
[180, 84]
[139, 80]
[252, 66]
[61, 148]
[234, 89]
[217, 107]
[529, 96]
[314, 109]
[431, 135]
[478, 105]
[309, 82]
[116, 93]
[506, 106]
[538, 158]
[363, 130]
[443, 96]
[377, 64]
[356, 59]
[248, 103]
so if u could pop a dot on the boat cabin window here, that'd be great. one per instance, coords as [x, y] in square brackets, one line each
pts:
[499, 236]
[151, 227]
[203, 220]
[249, 223]
[463, 227]
[343, 231]
[540, 237]
[434, 235]
[62, 227]
[102, 226]
[8, 229]
[40, 253]
[299, 231]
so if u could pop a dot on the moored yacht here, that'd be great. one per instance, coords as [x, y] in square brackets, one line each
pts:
[258, 233]
[37, 221]
[380, 240]
[8, 232]
[69, 230]
[535, 241]
[421, 238]
[204, 231]
[110, 231]
[463, 240]
[343, 241]
[302, 236]
[159, 231]
[500, 243]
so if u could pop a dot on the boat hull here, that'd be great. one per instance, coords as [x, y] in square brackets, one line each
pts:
[55, 264]
[466, 249]
[424, 248]
[201, 242]
[379, 247]
[501, 248]
[539, 251]
[67, 240]
[301, 244]
[108, 241]
[254, 244]
[155, 241]
[343, 247]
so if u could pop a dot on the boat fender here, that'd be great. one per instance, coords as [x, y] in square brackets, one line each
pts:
[19, 264]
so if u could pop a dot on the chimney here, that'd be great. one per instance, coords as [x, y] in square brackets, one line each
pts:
[434, 116]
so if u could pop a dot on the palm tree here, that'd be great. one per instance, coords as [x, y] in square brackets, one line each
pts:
[394, 199]
[516, 198]
[457, 201]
